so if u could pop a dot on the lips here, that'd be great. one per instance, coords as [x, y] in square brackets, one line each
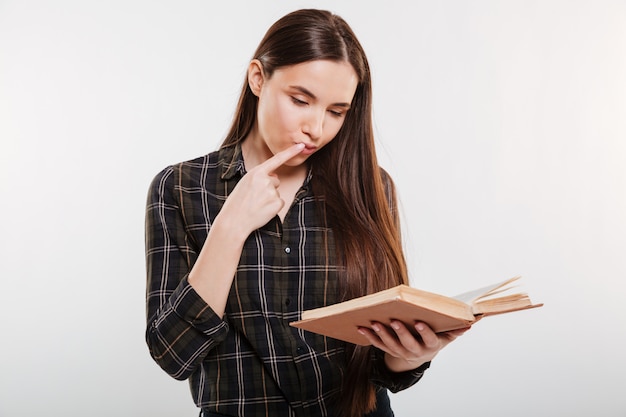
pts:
[308, 149]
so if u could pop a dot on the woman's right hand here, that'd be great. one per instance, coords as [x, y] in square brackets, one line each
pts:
[255, 199]
[253, 202]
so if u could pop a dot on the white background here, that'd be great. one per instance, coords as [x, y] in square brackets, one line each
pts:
[503, 123]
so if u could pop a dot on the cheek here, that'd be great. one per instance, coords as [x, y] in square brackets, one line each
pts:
[332, 127]
[289, 116]
[276, 117]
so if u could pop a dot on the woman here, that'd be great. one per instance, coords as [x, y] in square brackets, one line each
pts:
[291, 213]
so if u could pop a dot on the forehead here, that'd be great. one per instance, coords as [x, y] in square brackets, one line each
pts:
[333, 80]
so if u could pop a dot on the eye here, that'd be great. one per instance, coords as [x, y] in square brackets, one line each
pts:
[298, 101]
[336, 113]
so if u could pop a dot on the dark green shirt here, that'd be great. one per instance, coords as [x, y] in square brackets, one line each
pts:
[250, 363]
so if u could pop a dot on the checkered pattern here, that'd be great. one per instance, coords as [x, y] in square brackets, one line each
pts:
[251, 363]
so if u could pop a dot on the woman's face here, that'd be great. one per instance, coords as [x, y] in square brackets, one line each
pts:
[304, 103]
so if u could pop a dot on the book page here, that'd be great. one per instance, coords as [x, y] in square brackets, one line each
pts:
[471, 296]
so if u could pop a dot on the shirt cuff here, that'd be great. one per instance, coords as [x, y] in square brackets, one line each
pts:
[395, 381]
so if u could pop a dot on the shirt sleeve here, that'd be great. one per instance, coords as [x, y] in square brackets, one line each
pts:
[181, 328]
[394, 381]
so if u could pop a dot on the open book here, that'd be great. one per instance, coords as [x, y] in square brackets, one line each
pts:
[410, 305]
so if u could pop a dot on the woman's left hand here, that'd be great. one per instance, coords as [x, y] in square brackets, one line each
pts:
[403, 350]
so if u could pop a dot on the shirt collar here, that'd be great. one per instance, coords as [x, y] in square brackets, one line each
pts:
[231, 161]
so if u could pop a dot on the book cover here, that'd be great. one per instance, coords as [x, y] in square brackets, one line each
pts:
[409, 305]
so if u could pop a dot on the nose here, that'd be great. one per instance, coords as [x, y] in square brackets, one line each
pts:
[314, 125]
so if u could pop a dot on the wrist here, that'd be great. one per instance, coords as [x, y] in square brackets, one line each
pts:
[395, 364]
[233, 229]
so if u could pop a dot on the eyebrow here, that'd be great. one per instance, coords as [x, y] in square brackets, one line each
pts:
[309, 94]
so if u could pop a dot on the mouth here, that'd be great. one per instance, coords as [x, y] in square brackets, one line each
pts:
[308, 149]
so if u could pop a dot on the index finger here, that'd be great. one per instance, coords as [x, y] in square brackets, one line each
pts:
[281, 157]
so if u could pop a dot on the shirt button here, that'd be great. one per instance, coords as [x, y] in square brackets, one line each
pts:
[287, 250]
[287, 301]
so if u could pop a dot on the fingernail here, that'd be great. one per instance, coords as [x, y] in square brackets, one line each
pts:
[419, 327]
[395, 325]
[376, 327]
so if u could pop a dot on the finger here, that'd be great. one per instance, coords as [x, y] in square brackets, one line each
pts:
[391, 340]
[274, 181]
[447, 337]
[281, 157]
[407, 338]
[458, 332]
[429, 337]
[369, 335]
[373, 338]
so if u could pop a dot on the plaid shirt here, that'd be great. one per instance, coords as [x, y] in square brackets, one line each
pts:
[251, 362]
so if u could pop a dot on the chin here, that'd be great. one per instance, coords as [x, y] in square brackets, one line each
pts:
[297, 160]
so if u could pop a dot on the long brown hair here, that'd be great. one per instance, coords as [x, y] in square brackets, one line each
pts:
[345, 173]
